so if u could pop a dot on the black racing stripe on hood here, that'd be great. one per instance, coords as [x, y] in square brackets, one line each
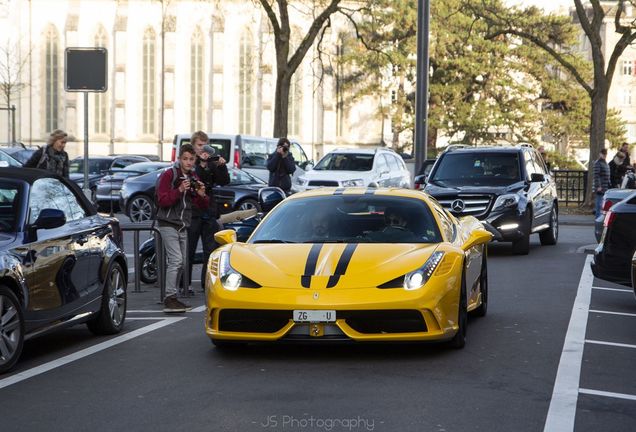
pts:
[310, 266]
[343, 263]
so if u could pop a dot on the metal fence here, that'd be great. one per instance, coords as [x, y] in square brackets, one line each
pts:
[571, 186]
[136, 228]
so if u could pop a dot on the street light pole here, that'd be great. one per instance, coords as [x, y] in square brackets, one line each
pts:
[421, 93]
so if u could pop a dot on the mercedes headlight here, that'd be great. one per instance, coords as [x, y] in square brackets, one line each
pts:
[354, 182]
[416, 279]
[230, 278]
[506, 201]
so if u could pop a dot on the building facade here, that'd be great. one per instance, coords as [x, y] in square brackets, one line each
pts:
[174, 66]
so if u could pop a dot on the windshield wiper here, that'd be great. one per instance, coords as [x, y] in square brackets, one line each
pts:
[272, 241]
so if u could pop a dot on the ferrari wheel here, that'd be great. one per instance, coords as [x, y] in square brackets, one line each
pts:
[459, 340]
[483, 288]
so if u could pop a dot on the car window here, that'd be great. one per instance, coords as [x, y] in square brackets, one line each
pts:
[381, 164]
[350, 219]
[530, 168]
[393, 163]
[297, 153]
[447, 226]
[52, 193]
[345, 162]
[9, 159]
[9, 201]
[221, 146]
[476, 169]
[121, 163]
[538, 163]
[238, 177]
[255, 152]
[95, 166]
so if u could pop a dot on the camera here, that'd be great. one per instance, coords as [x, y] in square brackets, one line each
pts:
[193, 183]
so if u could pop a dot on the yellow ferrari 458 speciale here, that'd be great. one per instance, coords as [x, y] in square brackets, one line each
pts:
[349, 264]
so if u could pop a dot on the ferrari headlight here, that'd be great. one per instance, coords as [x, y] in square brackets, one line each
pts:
[416, 279]
[354, 182]
[230, 278]
[506, 201]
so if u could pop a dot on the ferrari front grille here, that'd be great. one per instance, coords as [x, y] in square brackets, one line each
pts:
[384, 321]
[253, 321]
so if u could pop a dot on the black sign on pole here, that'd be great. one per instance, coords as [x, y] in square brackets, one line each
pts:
[86, 69]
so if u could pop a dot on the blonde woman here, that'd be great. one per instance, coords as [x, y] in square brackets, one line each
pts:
[52, 156]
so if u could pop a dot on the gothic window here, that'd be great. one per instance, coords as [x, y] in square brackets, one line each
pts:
[52, 76]
[196, 81]
[149, 83]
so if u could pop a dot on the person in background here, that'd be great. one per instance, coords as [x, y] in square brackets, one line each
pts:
[614, 166]
[601, 180]
[178, 189]
[52, 156]
[212, 170]
[281, 166]
[622, 169]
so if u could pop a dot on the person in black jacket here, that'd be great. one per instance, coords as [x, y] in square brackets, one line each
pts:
[616, 176]
[281, 166]
[52, 156]
[212, 170]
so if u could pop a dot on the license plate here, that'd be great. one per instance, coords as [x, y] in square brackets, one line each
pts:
[314, 316]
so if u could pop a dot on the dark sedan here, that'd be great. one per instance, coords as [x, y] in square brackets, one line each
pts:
[109, 186]
[60, 262]
[98, 167]
[613, 256]
[20, 153]
[137, 194]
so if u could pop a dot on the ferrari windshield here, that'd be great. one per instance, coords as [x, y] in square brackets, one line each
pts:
[477, 169]
[349, 219]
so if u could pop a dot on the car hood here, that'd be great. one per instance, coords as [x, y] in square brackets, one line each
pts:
[250, 187]
[335, 175]
[438, 190]
[369, 265]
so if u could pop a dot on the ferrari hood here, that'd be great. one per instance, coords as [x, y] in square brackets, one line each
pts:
[327, 265]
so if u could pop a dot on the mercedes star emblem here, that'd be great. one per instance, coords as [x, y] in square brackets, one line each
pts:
[458, 206]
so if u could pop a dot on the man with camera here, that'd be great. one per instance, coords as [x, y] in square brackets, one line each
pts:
[178, 191]
[211, 168]
[281, 166]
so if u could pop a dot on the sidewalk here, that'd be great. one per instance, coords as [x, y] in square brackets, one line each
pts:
[148, 299]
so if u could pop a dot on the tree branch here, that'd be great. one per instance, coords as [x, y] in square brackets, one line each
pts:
[272, 16]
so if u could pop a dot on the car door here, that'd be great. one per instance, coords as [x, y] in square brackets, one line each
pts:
[254, 156]
[381, 170]
[60, 256]
[546, 192]
[300, 158]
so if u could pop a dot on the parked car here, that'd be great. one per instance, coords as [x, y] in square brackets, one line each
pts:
[613, 257]
[9, 160]
[109, 186]
[151, 157]
[137, 194]
[378, 167]
[61, 263]
[98, 167]
[508, 188]
[611, 197]
[20, 153]
[249, 153]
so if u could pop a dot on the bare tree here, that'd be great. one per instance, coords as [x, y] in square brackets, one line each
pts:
[547, 34]
[286, 65]
[12, 65]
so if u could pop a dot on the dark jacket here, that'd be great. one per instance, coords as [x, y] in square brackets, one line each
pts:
[280, 170]
[211, 175]
[173, 207]
[601, 176]
[616, 177]
[47, 158]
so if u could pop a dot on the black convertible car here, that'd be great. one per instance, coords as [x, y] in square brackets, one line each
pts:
[137, 194]
[614, 255]
[60, 262]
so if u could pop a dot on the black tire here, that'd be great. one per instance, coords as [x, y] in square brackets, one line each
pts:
[148, 263]
[483, 287]
[140, 208]
[522, 245]
[550, 236]
[11, 329]
[112, 314]
[459, 340]
[247, 204]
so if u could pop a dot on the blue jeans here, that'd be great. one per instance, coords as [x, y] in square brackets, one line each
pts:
[597, 204]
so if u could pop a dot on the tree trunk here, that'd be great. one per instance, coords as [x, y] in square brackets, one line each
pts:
[597, 134]
[281, 99]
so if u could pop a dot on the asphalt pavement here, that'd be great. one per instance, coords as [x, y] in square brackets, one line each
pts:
[163, 374]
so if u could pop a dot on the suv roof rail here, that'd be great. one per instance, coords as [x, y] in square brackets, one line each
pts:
[452, 147]
[525, 145]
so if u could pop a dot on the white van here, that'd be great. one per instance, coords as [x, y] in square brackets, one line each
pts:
[248, 153]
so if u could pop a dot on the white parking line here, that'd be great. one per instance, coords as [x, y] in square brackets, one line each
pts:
[612, 313]
[196, 309]
[21, 376]
[614, 344]
[608, 394]
[566, 386]
[613, 289]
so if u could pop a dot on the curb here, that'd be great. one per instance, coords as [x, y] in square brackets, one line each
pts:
[576, 223]
[587, 249]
